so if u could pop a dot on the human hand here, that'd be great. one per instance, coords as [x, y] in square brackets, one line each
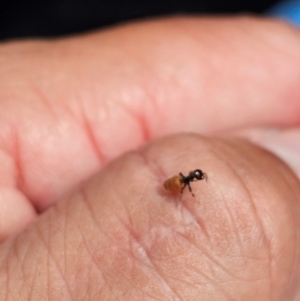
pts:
[103, 228]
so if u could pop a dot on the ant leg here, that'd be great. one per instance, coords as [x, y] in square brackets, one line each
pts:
[190, 189]
[182, 188]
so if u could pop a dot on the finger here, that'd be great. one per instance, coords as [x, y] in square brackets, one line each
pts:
[123, 235]
[69, 106]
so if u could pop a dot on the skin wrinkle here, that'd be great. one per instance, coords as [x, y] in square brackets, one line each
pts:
[268, 243]
[197, 219]
[109, 286]
[140, 119]
[297, 235]
[223, 198]
[149, 263]
[64, 235]
[203, 275]
[211, 280]
[218, 287]
[149, 126]
[86, 201]
[259, 221]
[19, 164]
[10, 271]
[91, 212]
[212, 259]
[16, 151]
[296, 252]
[51, 260]
[20, 260]
[151, 164]
[96, 263]
[21, 179]
[233, 223]
[43, 99]
[149, 95]
[93, 141]
[63, 229]
[82, 118]
[8, 168]
[180, 155]
[139, 288]
[30, 285]
[85, 243]
[283, 176]
[103, 233]
[135, 118]
[288, 184]
[156, 268]
[137, 200]
[139, 116]
[6, 280]
[28, 282]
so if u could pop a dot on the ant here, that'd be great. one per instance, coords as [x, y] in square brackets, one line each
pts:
[180, 181]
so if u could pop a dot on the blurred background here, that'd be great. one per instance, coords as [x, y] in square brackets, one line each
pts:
[36, 18]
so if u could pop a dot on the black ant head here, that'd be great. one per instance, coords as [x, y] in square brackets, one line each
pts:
[199, 175]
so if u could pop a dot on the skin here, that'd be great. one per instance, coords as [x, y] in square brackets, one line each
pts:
[83, 219]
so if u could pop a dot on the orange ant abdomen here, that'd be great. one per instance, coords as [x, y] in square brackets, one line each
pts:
[174, 183]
